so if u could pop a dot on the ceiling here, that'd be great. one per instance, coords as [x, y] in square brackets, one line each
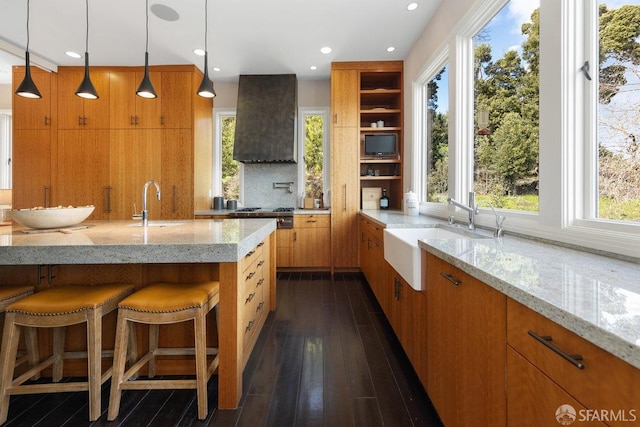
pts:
[245, 36]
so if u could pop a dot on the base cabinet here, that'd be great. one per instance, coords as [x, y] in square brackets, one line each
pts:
[466, 351]
[308, 244]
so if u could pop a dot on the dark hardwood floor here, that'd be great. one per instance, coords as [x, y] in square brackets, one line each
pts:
[326, 357]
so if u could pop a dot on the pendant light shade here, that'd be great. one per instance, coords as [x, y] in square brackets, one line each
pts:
[206, 87]
[146, 90]
[28, 88]
[86, 89]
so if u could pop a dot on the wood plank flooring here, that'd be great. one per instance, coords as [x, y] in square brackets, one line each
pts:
[326, 357]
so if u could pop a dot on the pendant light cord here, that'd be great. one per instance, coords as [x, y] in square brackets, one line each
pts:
[146, 47]
[28, 25]
[86, 43]
[206, 23]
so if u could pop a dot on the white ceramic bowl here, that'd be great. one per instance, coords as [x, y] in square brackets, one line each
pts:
[51, 217]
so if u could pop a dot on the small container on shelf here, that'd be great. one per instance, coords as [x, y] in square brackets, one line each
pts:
[384, 200]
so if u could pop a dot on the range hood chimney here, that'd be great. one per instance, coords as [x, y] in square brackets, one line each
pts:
[266, 119]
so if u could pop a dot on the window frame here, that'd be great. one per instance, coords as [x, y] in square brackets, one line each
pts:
[219, 114]
[326, 181]
[567, 115]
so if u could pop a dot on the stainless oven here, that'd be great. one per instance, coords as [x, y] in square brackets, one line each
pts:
[283, 216]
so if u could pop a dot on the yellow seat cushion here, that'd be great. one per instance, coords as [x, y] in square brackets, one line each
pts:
[170, 297]
[69, 299]
[9, 292]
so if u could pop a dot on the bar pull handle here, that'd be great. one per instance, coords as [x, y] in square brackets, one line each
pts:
[161, 120]
[175, 199]
[46, 196]
[250, 275]
[260, 306]
[450, 278]
[574, 359]
[345, 197]
[259, 245]
[260, 282]
[249, 326]
[335, 118]
[295, 236]
[84, 120]
[79, 120]
[46, 120]
[250, 253]
[250, 297]
[107, 198]
[132, 121]
[261, 263]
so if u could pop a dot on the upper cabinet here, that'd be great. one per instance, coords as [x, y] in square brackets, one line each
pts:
[35, 114]
[344, 97]
[79, 113]
[128, 110]
[176, 108]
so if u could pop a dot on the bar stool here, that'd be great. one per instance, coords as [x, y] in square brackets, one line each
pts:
[9, 295]
[57, 308]
[157, 304]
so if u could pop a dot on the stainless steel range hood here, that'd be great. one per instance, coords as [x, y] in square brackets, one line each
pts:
[266, 119]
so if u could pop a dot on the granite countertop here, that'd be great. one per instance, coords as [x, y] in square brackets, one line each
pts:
[223, 212]
[126, 242]
[594, 296]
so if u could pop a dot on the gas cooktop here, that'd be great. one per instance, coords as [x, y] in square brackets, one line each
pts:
[263, 212]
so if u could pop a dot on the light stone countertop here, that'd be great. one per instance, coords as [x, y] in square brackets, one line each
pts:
[594, 296]
[297, 211]
[126, 242]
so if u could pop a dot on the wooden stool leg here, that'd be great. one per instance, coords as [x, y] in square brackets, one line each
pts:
[10, 338]
[58, 350]
[154, 337]
[200, 334]
[132, 348]
[33, 352]
[94, 362]
[119, 359]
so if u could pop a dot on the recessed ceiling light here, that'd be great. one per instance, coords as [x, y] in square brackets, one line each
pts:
[412, 6]
[164, 12]
[313, 67]
[391, 49]
[216, 69]
[198, 52]
[73, 54]
[325, 50]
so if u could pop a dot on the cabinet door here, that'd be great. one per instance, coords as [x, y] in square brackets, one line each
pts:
[78, 113]
[177, 175]
[135, 158]
[127, 110]
[176, 102]
[345, 197]
[345, 91]
[83, 170]
[29, 113]
[311, 247]
[284, 247]
[533, 399]
[31, 168]
[466, 327]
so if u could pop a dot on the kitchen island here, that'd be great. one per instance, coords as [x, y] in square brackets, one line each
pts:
[170, 251]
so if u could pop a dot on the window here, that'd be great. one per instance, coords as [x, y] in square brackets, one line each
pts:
[312, 173]
[506, 106]
[5, 150]
[437, 136]
[227, 173]
[617, 147]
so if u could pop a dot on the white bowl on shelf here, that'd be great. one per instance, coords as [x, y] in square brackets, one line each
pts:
[59, 217]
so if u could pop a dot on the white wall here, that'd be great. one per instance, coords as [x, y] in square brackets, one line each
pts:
[311, 93]
[5, 97]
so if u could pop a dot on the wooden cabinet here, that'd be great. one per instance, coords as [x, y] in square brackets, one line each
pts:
[381, 102]
[125, 143]
[33, 140]
[82, 172]
[79, 113]
[307, 244]
[603, 383]
[312, 241]
[126, 109]
[361, 92]
[135, 158]
[372, 263]
[35, 113]
[466, 350]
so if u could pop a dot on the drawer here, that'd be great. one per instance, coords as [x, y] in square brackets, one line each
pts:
[604, 383]
[251, 256]
[371, 227]
[312, 221]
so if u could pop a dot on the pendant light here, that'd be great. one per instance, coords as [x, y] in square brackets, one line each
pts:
[206, 87]
[86, 89]
[28, 88]
[146, 90]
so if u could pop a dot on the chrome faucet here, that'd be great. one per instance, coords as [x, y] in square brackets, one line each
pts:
[498, 232]
[472, 209]
[145, 213]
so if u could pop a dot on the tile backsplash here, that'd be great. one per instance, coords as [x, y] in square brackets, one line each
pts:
[258, 184]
